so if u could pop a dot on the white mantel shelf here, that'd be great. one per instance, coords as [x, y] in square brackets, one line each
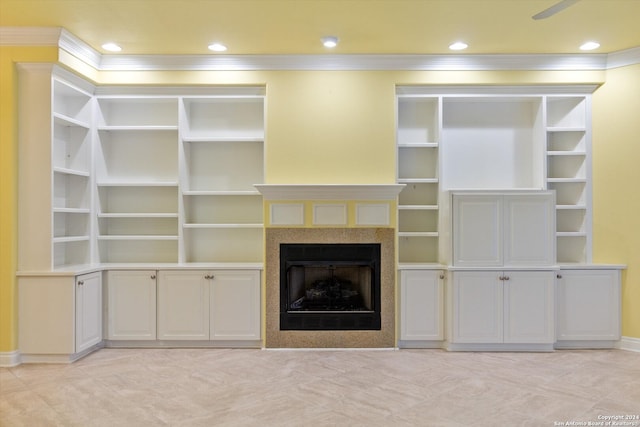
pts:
[329, 191]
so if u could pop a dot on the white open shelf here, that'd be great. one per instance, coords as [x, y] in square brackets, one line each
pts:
[148, 155]
[137, 112]
[232, 117]
[223, 165]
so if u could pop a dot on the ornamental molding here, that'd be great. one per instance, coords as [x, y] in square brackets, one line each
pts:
[329, 191]
[67, 42]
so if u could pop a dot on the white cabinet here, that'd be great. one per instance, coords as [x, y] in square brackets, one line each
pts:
[131, 304]
[88, 311]
[588, 308]
[502, 307]
[183, 305]
[59, 317]
[209, 305]
[498, 229]
[421, 308]
[235, 305]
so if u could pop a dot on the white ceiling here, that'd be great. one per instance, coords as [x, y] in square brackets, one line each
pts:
[363, 26]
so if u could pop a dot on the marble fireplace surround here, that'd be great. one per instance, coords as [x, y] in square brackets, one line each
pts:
[384, 338]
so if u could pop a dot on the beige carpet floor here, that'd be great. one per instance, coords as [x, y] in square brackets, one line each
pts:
[225, 387]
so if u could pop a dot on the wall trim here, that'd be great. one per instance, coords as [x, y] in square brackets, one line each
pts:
[629, 344]
[68, 42]
[9, 359]
[623, 58]
[329, 191]
[30, 36]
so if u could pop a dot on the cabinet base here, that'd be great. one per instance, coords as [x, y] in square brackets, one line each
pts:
[59, 358]
[499, 347]
[183, 344]
[585, 344]
[420, 344]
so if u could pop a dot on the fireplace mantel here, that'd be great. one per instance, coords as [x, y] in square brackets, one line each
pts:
[329, 191]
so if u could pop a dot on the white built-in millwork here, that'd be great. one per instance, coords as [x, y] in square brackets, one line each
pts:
[498, 191]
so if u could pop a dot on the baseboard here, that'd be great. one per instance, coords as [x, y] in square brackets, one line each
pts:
[499, 347]
[418, 344]
[183, 344]
[9, 359]
[629, 344]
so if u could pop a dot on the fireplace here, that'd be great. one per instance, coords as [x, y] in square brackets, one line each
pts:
[276, 238]
[325, 286]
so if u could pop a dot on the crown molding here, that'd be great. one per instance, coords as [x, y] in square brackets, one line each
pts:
[352, 62]
[356, 62]
[80, 49]
[30, 36]
[623, 58]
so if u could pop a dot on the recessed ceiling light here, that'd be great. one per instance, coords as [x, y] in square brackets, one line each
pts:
[590, 46]
[330, 41]
[217, 47]
[111, 47]
[458, 46]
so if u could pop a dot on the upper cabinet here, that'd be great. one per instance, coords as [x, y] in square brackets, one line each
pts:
[503, 230]
[491, 139]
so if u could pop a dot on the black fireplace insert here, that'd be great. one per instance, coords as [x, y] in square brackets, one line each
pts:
[330, 286]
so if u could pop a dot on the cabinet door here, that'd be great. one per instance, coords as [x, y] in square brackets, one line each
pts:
[421, 299]
[528, 306]
[235, 305]
[477, 230]
[88, 310]
[183, 305]
[529, 229]
[132, 305]
[589, 305]
[477, 307]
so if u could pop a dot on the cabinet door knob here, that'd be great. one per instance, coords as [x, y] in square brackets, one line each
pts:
[442, 276]
[506, 277]
[153, 277]
[501, 278]
[209, 276]
[559, 276]
[80, 282]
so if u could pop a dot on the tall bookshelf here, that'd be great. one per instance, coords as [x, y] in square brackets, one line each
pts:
[482, 138]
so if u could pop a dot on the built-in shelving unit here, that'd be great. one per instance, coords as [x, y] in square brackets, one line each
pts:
[71, 169]
[491, 139]
[418, 137]
[137, 178]
[222, 156]
[139, 174]
[568, 173]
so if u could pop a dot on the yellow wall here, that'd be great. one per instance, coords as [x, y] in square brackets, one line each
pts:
[339, 127]
[9, 56]
[616, 198]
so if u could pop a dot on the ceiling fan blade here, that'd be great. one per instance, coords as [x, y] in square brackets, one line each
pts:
[558, 7]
